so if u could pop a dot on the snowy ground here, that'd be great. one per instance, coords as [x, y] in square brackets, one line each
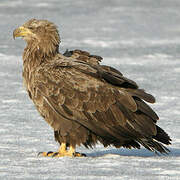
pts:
[140, 38]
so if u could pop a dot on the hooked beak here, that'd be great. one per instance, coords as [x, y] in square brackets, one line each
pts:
[21, 32]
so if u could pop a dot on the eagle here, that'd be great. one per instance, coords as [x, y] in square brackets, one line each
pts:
[83, 101]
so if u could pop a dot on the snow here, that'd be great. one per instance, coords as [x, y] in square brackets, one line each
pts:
[139, 38]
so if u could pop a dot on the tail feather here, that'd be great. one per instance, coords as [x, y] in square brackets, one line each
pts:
[131, 144]
[162, 136]
[153, 145]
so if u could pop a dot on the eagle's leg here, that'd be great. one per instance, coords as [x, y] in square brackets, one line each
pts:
[63, 152]
[74, 153]
[71, 152]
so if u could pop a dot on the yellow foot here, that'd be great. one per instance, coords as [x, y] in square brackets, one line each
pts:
[58, 154]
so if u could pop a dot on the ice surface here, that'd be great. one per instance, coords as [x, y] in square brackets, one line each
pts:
[140, 38]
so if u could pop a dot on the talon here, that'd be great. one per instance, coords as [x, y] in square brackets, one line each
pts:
[62, 152]
[44, 154]
[40, 153]
[55, 154]
[50, 153]
[77, 154]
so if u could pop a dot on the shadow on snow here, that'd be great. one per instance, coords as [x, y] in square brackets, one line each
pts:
[133, 152]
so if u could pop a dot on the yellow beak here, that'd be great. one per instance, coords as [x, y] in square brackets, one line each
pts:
[21, 32]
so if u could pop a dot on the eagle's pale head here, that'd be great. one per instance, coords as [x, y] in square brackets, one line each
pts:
[40, 35]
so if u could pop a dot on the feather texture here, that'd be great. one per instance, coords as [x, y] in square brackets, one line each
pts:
[85, 102]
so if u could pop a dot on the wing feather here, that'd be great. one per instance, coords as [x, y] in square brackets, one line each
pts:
[79, 92]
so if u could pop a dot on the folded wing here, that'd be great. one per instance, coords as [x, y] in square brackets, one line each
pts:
[99, 98]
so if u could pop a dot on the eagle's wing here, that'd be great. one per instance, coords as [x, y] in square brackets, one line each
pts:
[97, 97]
[83, 56]
[110, 74]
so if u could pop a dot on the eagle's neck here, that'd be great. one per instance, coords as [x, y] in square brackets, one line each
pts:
[33, 57]
[37, 53]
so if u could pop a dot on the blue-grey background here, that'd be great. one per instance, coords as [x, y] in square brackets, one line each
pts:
[141, 38]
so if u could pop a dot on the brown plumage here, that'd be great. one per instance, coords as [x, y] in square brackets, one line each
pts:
[83, 101]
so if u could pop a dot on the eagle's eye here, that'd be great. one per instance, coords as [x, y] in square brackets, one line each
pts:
[30, 27]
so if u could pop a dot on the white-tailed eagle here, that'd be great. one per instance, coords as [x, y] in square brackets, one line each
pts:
[85, 102]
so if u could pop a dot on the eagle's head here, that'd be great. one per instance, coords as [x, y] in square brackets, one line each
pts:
[40, 35]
